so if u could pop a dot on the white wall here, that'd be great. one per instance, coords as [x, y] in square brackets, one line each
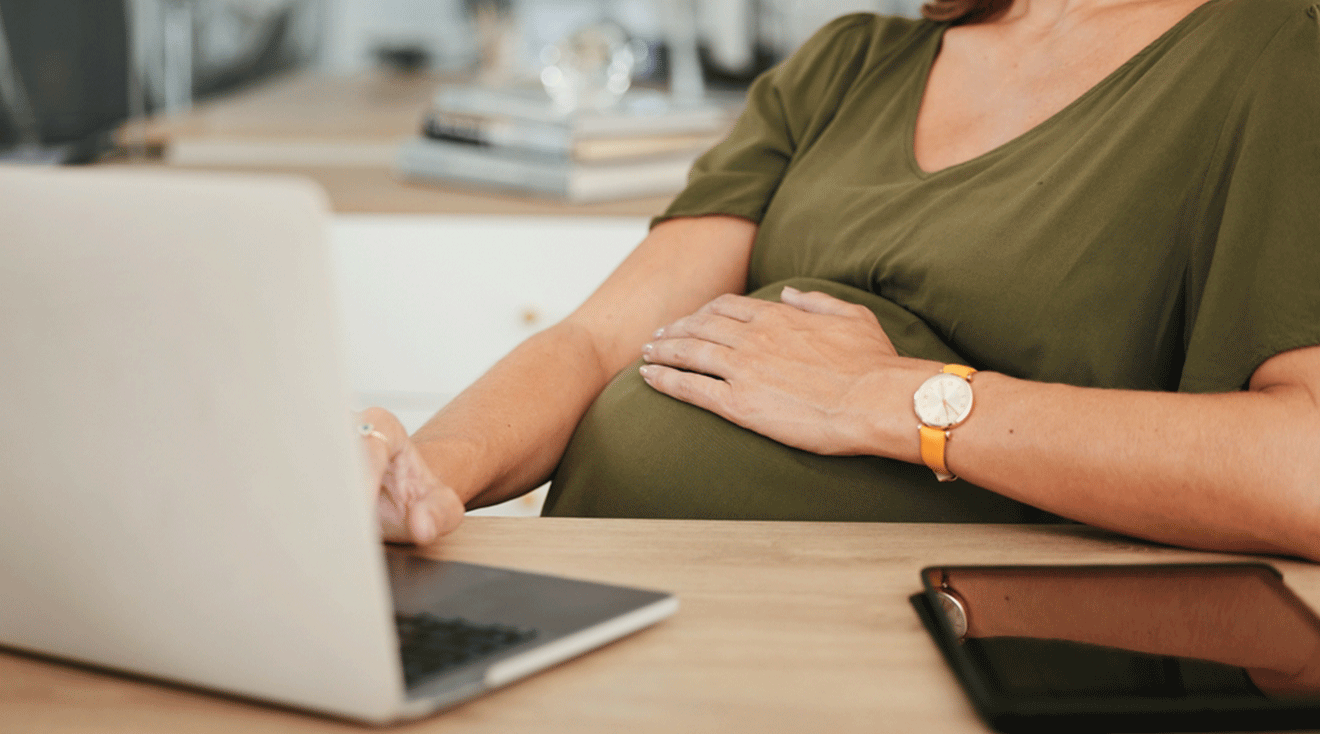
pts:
[356, 26]
[429, 303]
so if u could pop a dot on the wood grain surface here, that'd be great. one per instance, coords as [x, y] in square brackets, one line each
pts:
[784, 627]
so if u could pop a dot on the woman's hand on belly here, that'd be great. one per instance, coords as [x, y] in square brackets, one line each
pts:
[812, 372]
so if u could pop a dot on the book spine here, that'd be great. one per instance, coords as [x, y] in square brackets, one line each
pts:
[546, 139]
[463, 163]
[615, 124]
[446, 161]
[639, 113]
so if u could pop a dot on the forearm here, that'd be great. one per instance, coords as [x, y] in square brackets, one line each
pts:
[1230, 471]
[1233, 471]
[505, 433]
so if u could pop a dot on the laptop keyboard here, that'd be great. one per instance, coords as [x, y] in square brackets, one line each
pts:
[430, 645]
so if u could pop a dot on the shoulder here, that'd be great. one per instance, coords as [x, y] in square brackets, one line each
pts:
[857, 35]
[806, 90]
[1274, 43]
[1275, 9]
[843, 49]
[869, 28]
[1237, 51]
[1256, 23]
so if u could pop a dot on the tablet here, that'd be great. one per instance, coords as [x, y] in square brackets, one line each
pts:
[1214, 647]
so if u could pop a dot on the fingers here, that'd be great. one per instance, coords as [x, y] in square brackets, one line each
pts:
[689, 353]
[703, 341]
[406, 486]
[384, 438]
[393, 519]
[821, 303]
[709, 340]
[738, 308]
[412, 505]
[706, 326]
[717, 340]
[827, 305]
[713, 320]
[687, 358]
[436, 513]
[700, 390]
[725, 321]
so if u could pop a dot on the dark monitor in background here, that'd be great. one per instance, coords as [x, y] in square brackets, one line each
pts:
[71, 57]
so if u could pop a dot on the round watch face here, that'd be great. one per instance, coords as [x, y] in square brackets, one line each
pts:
[943, 401]
[954, 610]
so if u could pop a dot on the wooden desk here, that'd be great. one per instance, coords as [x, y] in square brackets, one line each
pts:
[340, 131]
[784, 627]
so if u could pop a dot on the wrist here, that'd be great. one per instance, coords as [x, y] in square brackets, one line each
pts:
[889, 418]
[452, 462]
[942, 403]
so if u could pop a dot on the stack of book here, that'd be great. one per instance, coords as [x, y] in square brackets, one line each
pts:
[514, 139]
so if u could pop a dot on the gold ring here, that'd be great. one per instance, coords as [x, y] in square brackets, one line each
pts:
[368, 429]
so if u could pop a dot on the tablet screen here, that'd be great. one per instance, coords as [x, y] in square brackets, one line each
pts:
[1129, 647]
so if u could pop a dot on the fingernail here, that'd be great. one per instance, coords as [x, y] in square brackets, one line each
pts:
[658, 333]
[790, 289]
[647, 371]
[647, 349]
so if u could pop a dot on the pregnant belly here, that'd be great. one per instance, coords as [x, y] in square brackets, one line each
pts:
[639, 453]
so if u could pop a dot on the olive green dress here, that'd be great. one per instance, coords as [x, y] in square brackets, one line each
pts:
[1162, 232]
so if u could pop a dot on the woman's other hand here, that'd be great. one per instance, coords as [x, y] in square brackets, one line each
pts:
[413, 505]
[813, 372]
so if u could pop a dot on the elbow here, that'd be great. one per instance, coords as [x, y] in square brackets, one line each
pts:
[1285, 473]
[1303, 512]
[1296, 487]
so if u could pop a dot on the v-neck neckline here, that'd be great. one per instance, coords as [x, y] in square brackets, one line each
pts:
[919, 95]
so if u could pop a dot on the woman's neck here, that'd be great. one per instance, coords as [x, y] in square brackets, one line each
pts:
[1044, 17]
[996, 79]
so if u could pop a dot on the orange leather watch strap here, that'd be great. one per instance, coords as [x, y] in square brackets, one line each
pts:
[932, 451]
[935, 440]
[960, 370]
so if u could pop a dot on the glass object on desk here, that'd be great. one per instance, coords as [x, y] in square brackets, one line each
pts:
[162, 51]
[591, 68]
[160, 68]
[686, 82]
[497, 37]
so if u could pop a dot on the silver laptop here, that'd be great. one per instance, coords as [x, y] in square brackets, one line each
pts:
[181, 494]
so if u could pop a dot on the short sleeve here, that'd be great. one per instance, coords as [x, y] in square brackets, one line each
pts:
[786, 107]
[1253, 281]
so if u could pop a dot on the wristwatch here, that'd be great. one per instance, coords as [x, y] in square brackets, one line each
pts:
[954, 608]
[942, 403]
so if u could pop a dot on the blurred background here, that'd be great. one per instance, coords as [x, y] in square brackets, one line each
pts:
[70, 70]
[464, 214]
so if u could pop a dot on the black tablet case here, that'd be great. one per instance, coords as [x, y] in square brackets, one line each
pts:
[1240, 710]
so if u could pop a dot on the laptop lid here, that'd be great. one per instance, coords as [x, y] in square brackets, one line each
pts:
[175, 420]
